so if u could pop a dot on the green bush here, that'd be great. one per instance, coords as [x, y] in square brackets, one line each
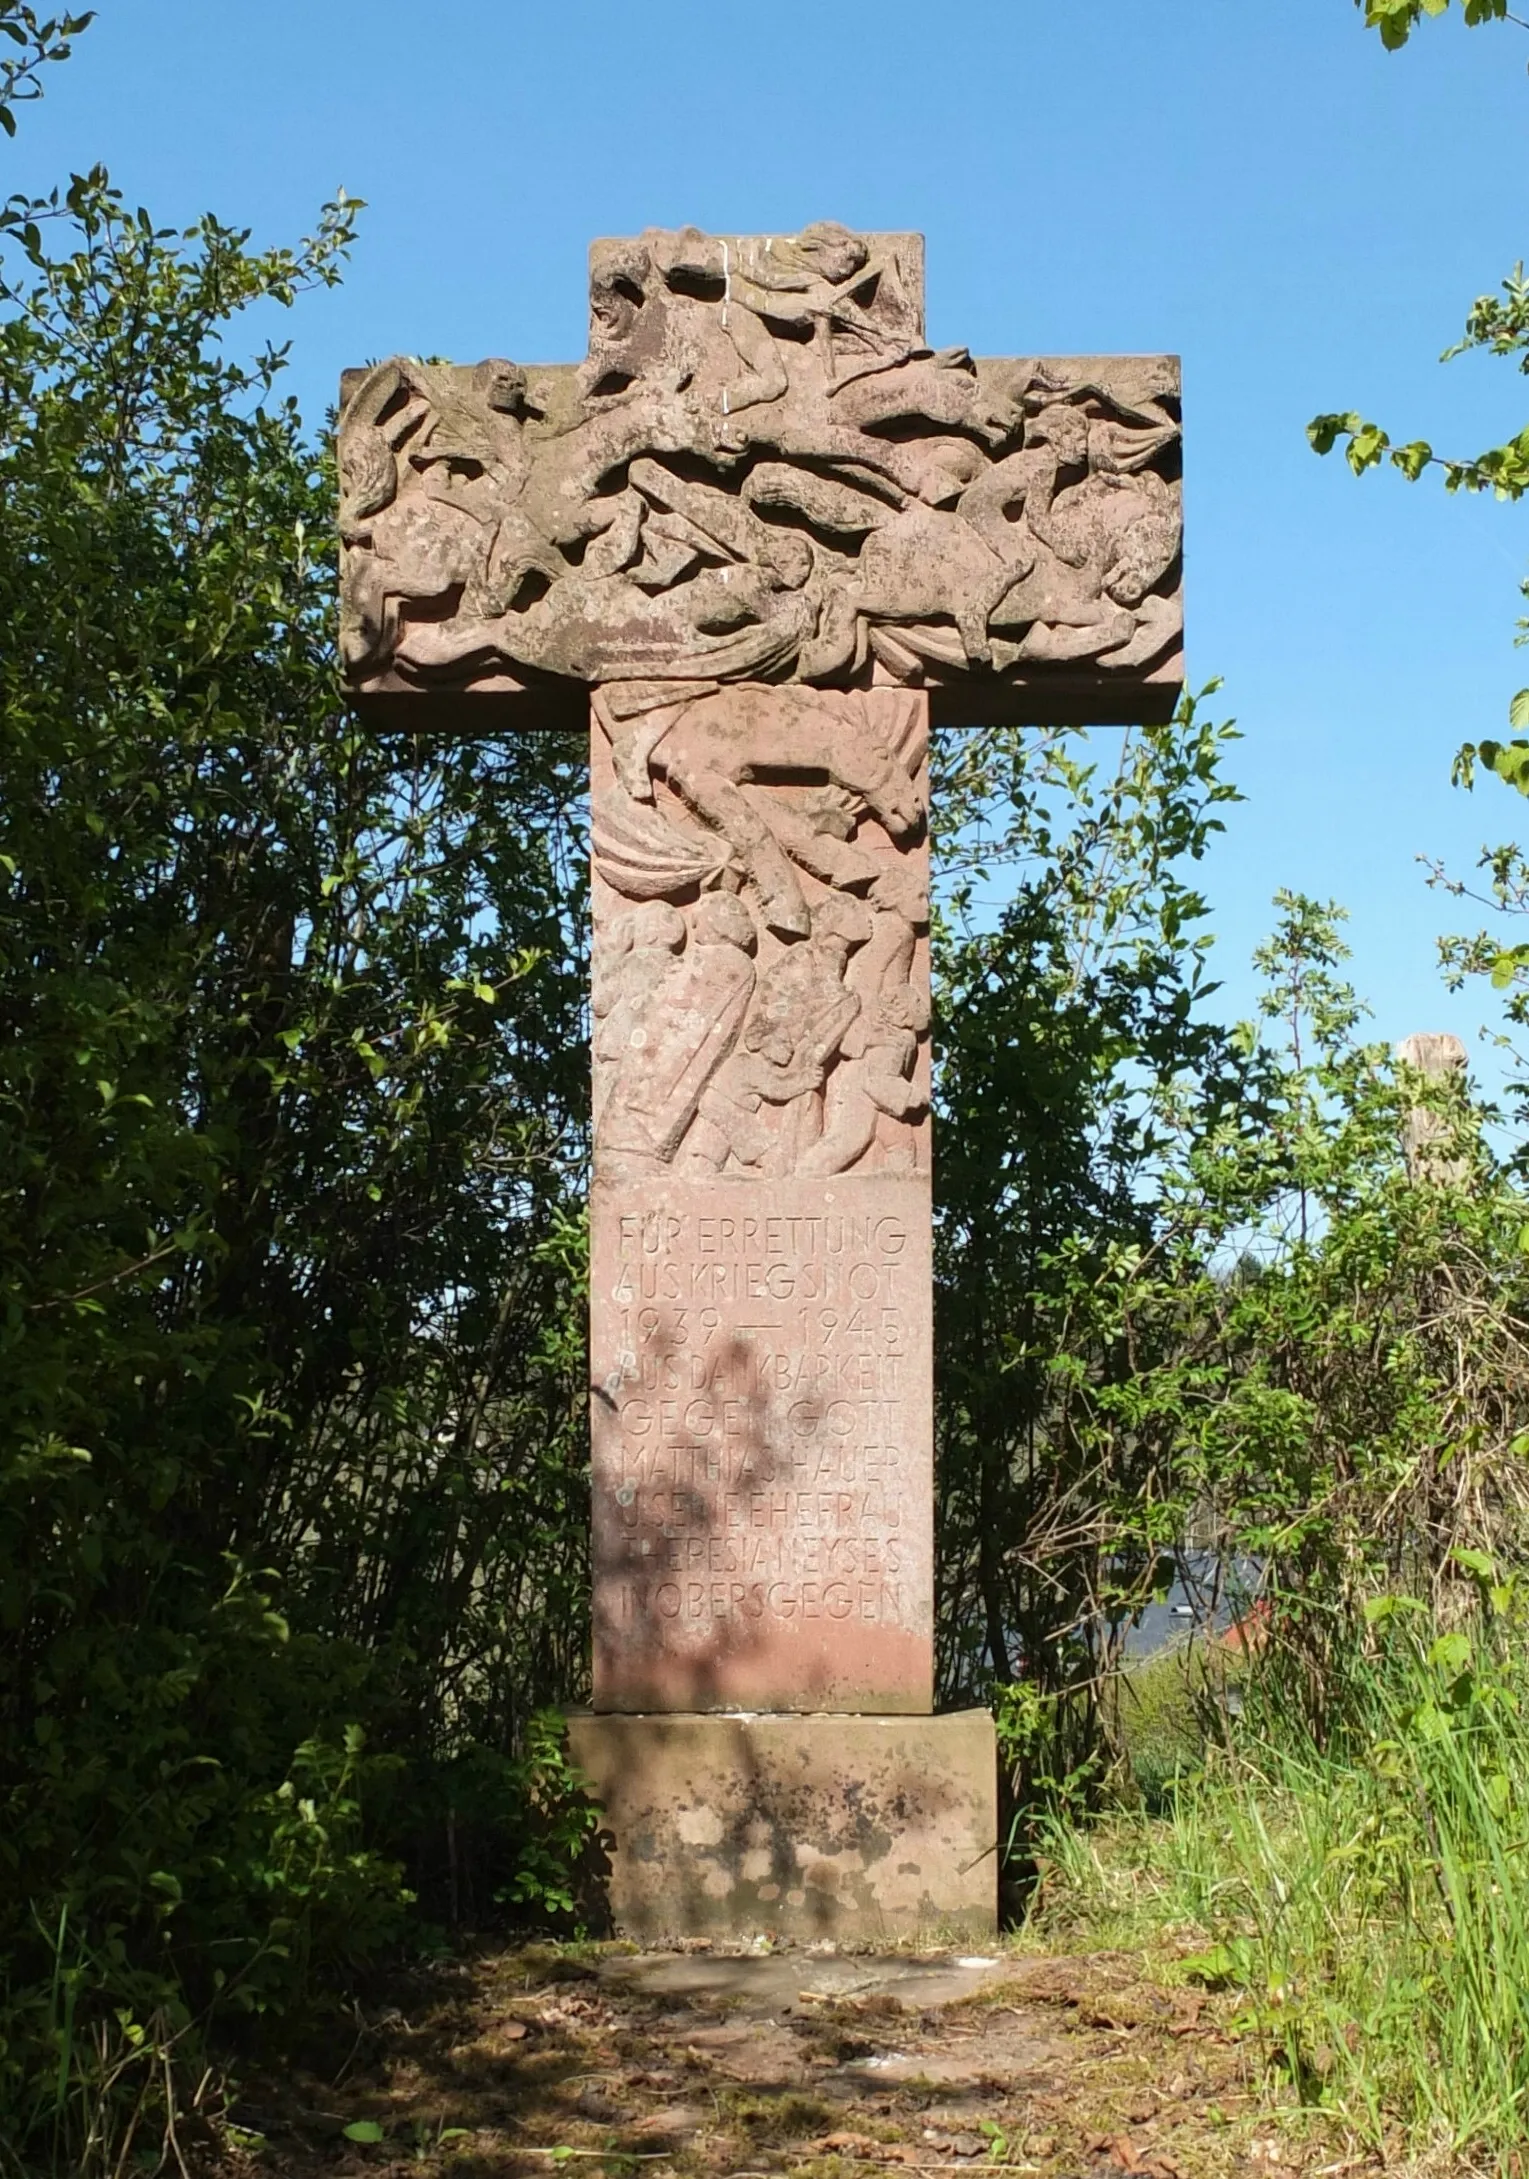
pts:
[292, 1468]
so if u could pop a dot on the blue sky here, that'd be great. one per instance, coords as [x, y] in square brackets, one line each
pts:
[1258, 186]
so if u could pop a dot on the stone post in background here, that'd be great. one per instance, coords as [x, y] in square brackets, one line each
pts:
[1439, 1057]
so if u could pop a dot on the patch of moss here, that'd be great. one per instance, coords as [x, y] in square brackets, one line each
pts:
[779, 2117]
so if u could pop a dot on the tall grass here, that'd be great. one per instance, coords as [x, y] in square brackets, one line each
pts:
[1369, 1899]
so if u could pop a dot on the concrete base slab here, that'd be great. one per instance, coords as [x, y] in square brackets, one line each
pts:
[865, 1829]
[780, 1983]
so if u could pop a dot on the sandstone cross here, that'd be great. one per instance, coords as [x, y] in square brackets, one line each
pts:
[765, 536]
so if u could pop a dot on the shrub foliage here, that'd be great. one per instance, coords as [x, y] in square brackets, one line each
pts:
[291, 1109]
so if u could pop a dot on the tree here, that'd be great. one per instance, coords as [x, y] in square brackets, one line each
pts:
[1065, 1027]
[1498, 324]
[36, 41]
[292, 1467]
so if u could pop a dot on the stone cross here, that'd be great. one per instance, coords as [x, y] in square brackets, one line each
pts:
[764, 536]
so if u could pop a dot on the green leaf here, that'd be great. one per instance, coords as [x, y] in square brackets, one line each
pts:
[1325, 431]
[1224, 1967]
[1509, 760]
[1378, 1609]
[1518, 711]
[1366, 447]
[1478, 1562]
[1430, 1723]
[364, 2129]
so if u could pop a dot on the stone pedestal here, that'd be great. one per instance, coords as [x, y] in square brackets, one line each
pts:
[863, 1829]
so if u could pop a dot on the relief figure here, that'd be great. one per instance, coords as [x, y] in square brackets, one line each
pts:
[708, 749]
[880, 1045]
[634, 954]
[686, 1029]
[801, 1012]
[759, 1011]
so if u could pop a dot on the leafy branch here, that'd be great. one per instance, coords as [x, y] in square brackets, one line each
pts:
[1396, 20]
[1499, 324]
[39, 43]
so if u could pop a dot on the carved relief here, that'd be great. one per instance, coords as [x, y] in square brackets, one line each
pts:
[762, 472]
[761, 987]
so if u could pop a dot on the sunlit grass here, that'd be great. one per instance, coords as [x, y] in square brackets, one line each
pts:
[1367, 1903]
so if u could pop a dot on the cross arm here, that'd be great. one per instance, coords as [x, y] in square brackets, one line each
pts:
[762, 472]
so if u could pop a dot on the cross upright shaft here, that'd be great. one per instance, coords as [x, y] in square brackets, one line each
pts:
[765, 534]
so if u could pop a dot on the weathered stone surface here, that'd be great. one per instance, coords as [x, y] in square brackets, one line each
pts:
[756, 1987]
[765, 533]
[762, 1445]
[760, 1278]
[763, 472]
[761, 910]
[1439, 1057]
[863, 1829]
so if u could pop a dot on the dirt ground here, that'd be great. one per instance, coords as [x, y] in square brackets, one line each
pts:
[806, 2063]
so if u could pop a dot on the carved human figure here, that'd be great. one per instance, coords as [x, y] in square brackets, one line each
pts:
[1106, 539]
[687, 1027]
[711, 749]
[716, 745]
[801, 1012]
[632, 956]
[820, 282]
[1092, 548]
[464, 534]
[800, 802]
[797, 1025]
[761, 473]
[880, 1045]
[916, 563]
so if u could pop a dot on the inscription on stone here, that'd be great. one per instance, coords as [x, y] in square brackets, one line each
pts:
[760, 1225]
[762, 1445]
